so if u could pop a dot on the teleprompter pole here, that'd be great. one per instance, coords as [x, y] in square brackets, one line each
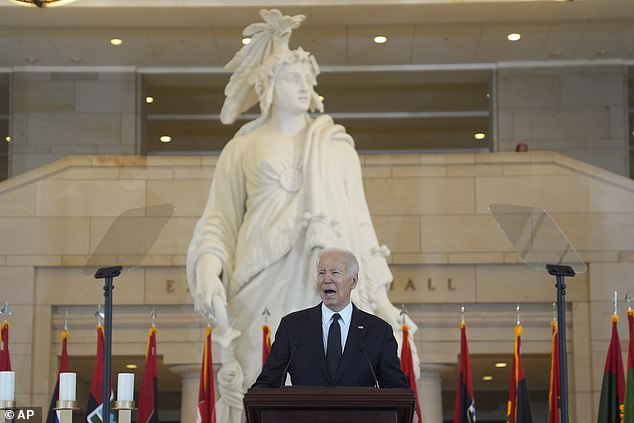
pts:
[560, 272]
[108, 274]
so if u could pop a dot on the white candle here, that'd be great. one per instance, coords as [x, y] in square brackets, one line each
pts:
[125, 387]
[7, 386]
[67, 386]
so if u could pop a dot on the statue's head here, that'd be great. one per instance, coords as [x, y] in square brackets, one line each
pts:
[257, 66]
[281, 70]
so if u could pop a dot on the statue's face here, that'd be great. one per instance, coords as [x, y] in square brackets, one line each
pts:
[293, 88]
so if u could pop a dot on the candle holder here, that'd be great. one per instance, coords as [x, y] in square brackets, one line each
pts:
[64, 409]
[7, 404]
[125, 410]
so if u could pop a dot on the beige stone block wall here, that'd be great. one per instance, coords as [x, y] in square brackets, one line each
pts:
[578, 111]
[55, 114]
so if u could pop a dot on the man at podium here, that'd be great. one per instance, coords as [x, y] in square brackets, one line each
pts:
[334, 343]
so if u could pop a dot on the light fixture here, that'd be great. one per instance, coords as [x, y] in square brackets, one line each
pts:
[487, 378]
[149, 99]
[501, 365]
[321, 98]
[131, 366]
[7, 139]
[513, 37]
[479, 136]
[116, 41]
[380, 39]
[166, 138]
[42, 3]
[246, 40]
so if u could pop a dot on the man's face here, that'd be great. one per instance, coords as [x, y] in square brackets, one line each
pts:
[333, 281]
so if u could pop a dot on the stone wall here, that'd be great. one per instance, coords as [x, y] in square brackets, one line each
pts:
[580, 111]
[55, 114]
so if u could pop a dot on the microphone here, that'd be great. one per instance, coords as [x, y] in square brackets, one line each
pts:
[362, 349]
[288, 364]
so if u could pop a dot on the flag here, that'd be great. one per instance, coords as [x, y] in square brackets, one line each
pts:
[407, 365]
[148, 400]
[94, 406]
[613, 387]
[5, 358]
[266, 342]
[464, 411]
[63, 368]
[628, 416]
[519, 407]
[554, 391]
[206, 412]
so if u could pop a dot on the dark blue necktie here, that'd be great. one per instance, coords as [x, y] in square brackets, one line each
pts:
[333, 347]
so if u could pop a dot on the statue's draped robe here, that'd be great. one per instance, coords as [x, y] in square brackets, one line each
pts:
[267, 216]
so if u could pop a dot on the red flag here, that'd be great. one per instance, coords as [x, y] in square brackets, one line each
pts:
[554, 390]
[63, 368]
[94, 406]
[206, 403]
[628, 412]
[519, 407]
[464, 411]
[5, 358]
[266, 342]
[148, 399]
[407, 365]
[611, 406]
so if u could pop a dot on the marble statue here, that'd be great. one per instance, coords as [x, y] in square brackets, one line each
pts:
[286, 186]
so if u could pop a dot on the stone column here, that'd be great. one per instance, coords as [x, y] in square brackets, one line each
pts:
[429, 387]
[190, 378]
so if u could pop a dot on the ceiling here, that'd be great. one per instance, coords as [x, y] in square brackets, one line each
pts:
[206, 33]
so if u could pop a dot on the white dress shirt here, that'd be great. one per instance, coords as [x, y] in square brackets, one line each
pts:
[344, 323]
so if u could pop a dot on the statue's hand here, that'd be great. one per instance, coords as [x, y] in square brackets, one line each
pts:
[209, 288]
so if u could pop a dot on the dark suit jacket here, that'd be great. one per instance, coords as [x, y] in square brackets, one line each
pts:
[300, 335]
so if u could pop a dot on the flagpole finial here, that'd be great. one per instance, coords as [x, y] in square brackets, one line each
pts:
[100, 315]
[403, 313]
[517, 312]
[210, 319]
[462, 314]
[66, 320]
[266, 313]
[153, 316]
[628, 300]
[554, 312]
[615, 302]
[6, 311]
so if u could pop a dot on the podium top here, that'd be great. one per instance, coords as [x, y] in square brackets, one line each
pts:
[536, 237]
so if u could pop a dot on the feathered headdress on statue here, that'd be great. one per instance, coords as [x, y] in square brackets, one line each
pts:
[267, 38]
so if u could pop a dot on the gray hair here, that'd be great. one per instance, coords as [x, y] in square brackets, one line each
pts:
[352, 264]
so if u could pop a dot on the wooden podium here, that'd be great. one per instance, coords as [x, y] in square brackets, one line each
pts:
[329, 405]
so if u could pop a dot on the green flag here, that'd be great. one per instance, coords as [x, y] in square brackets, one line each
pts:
[629, 389]
[613, 388]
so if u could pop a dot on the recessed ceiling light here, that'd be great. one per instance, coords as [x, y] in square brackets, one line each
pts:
[149, 99]
[513, 37]
[246, 40]
[501, 365]
[7, 139]
[116, 41]
[487, 378]
[166, 138]
[479, 136]
[131, 366]
[632, 132]
[321, 98]
[380, 39]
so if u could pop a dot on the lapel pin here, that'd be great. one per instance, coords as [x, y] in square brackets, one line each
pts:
[359, 327]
